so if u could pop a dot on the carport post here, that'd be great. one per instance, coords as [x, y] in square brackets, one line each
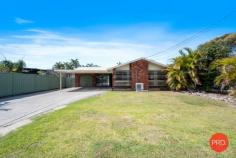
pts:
[60, 82]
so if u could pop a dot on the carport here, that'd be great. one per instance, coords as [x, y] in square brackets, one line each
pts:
[89, 76]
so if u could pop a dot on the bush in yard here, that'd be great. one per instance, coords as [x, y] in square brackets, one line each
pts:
[227, 76]
[216, 49]
[204, 69]
[182, 74]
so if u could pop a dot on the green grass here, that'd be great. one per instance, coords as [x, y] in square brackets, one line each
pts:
[127, 124]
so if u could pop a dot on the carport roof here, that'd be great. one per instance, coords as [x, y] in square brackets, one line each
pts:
[103, 70]
[85, 70]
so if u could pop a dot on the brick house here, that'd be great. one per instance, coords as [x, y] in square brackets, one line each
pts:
[147, 73]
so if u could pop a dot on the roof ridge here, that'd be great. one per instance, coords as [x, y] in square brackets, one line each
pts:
[141, 58]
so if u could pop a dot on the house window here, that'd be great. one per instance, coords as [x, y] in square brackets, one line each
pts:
[122, 75]
[122, 78]
[102, 80]
[157, 78]
[156, 75]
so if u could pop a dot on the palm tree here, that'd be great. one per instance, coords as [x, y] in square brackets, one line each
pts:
[9, 66]
[176, 77]
[75, 63]
[182, 73]
[227, 69]
[191, 65]
[6, 65]
[71, 65]
[59, 65]
[91, 65]
[18, 66]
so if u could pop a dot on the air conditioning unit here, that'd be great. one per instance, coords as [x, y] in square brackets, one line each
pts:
[139, 87]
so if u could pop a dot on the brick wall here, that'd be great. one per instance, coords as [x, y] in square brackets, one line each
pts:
[113, 78]
[139, 73]
[77, 80]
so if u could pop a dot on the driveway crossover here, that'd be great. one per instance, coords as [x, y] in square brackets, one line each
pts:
[16, 111]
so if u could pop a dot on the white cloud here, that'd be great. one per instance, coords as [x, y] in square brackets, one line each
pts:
[22, 21]
[41, 48]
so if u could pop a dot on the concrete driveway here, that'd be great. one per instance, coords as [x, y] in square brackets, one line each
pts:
[17, 111]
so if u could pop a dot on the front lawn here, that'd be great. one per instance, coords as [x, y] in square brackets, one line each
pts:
[127, 124]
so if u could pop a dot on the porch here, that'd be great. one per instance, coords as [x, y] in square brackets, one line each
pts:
[93, 80]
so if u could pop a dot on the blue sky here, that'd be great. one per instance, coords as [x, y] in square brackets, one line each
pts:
[107, 31]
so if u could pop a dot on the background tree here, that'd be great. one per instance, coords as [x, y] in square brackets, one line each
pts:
[69, 66]
[6, 65]
[18, 66]
[9, 66]
[59, 65]
[118, 63]
[72, 64]
[211, 51]
[91, 65]
[75, 63]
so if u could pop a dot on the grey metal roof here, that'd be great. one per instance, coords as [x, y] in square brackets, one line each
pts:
[103, 70]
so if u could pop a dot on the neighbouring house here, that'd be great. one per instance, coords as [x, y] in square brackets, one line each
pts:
[140, 73]
[36, 71]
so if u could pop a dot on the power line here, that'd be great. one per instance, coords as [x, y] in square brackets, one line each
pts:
[192, 37]
[195, 35]
[207, 28]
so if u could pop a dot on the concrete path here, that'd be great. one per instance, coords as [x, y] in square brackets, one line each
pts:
[17, 111]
